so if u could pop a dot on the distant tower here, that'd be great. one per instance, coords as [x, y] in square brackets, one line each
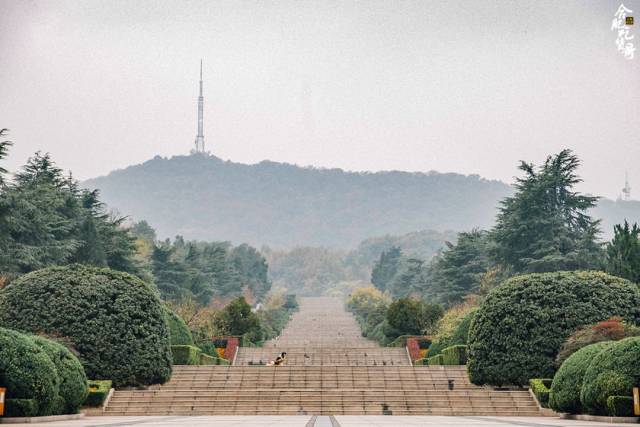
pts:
[200, 135]
[627, 189]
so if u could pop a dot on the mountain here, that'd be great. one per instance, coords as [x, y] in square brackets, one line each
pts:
[203, 197]
[282, 205]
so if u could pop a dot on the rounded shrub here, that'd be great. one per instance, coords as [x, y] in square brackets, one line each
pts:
[178, 329]
[613, 372]
[73, 381]
[567, 383]
[114, 320]
[28, 374]
[519, 328]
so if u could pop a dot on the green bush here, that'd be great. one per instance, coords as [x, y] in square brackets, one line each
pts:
[567, 383]
[205, 359]
[620, 406]
[435, 360]
[98, 392]
[454, 355]
[73, 381]
[20, 408]
[185, 355]
[178, 330]
[27, 372]
[612, 372]
[421, 362]
[540, 387]
[114, 320]
[521, 325]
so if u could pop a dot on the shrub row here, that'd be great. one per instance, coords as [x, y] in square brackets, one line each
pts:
[541, 388]
[521, 325]
[454, 355]
[591, 376]
[191, 355]
[42, 377]
[179, 332]
[114, 320]
[98, 392]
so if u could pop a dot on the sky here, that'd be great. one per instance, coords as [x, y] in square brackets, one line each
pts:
[469, 87]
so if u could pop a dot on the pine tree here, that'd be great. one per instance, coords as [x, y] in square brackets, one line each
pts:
[386, 268]
[623, 252]
[545, 226]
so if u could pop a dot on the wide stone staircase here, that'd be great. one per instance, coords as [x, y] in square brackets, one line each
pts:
[330, 370]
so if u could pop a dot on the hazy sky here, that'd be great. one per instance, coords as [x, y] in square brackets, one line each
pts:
[469, 87]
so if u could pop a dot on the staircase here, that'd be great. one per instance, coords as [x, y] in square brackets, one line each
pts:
[330, 370]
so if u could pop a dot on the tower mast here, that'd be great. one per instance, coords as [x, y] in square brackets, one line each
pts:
[200, 135]
[627, 188]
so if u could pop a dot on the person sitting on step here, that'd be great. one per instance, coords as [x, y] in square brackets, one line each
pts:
[279, 360]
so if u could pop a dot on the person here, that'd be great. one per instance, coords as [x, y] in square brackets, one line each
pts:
[279, 360]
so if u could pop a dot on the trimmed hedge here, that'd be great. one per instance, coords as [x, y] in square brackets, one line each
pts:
[114, 320]
[73, 381]
[540, 387]
[521, 325]
[435, 360]
[98, 392]
[620, 406]
[612, 372]
[179, 333]
[421, 362]
[567, 383]
[185, 355]
[454, 355]
[28, 374]
[205, 359]
[20, 408]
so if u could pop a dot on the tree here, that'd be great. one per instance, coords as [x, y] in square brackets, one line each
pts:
[238, 319]
[459, 270]
[545, 226]
[4, 148]
[408, 316]
[386, 268]
[409, 280]
[252, 266]
[623, 252]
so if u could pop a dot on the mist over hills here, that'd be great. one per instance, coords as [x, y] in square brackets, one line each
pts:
[282, 205]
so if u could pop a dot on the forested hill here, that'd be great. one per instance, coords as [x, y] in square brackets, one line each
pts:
[282, 205]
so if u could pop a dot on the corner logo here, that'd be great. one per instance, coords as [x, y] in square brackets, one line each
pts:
[620, 24]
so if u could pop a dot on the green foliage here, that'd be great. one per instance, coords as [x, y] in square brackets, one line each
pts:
[185, 354]
[386, 268]
[522, 324]
[205, 359]
[459, 269]
[435, 360]
[409, 279]
[73, 381]
[46, 219]
[4, 148]
[238, 317]
[178, 330]
[623, 252]
[408, 316]
[454, 355]
[98, 392]
[612, 372]
[567, 382]
[620, 406]
[200, 271]
[20, 408]
[613, 329]
[114, 320]
[540, 387]
[27, 372]
[546, 226]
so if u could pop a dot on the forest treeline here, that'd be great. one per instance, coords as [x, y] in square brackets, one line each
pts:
[47, 218]
[545, 226]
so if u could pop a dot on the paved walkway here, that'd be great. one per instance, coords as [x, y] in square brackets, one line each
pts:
[306, 421]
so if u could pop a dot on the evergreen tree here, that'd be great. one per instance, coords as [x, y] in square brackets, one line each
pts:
[409, 280]
[238, 319]
[4, 148]
[252, 267]
[458, 271]
[623, 252]
[545, 226]
[386, 268]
